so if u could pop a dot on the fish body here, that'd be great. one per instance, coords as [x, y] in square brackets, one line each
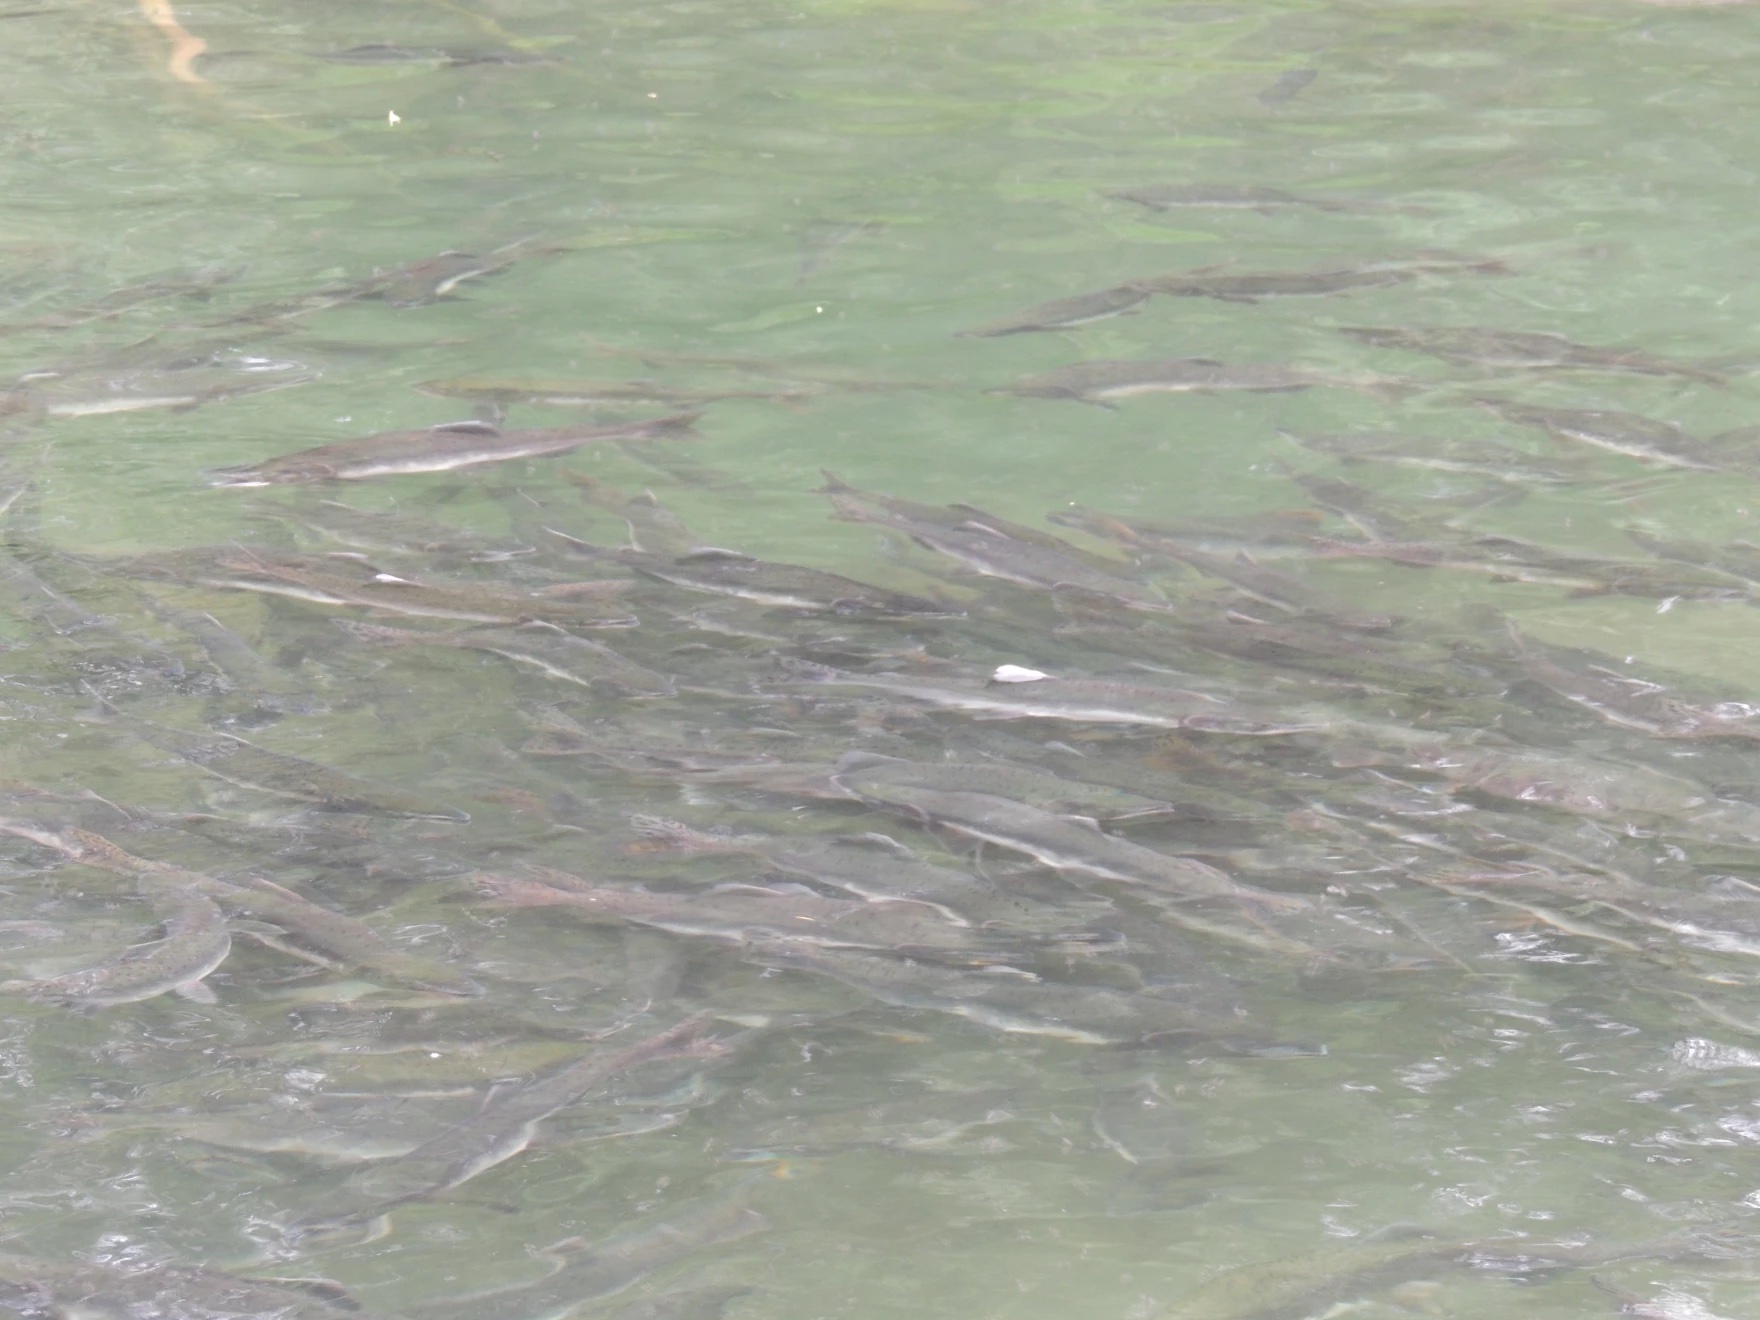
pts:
[1629, 434]
[1468, 457]
[246, 765]
[1087, 701]
[1482, 346]
[445, 448]
[1036, 788]
[1225, 197]
[196, 941]
[1104, 381]
[500, 1130]
[784, 586]
[875, 867]
[564, 393]
[543, 647]
[740, 914]
[1011, 1001]
[1064, 843]
[1065, 313]
[587, 1272]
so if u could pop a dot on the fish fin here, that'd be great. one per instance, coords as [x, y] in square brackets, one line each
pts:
[1086, 822]
[198, 992]
[874, 839]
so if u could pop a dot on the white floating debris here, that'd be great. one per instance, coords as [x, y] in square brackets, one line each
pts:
[1016, 674]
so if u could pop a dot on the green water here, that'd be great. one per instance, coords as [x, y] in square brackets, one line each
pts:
[840, 187]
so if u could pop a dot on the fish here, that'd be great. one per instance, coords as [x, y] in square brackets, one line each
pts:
[1103, 381]
[1703, 1055]
[339, 582]
[993, 547]
[1250, 286]
[1081, 700]
[1065, 313]
[233, 760]
[69, 1285]
[1629, 434]
[196, 941]
[1486, 459]
[1482, 346]
[500, 1130]
[1015, 1002]
[586, 1272]
[341, 937]
[1629, 701]
[872, 866]
[1288, 86]
[565, 393]
[740, 914]
[543, 647]
[1020, 783]
[783, 586]
[444, 448]
[1231, 197]
[1063, 843]
[390, 531]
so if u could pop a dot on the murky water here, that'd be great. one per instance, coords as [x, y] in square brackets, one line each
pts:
[1413, 953]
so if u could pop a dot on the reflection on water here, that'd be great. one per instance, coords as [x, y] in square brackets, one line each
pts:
[878, 657]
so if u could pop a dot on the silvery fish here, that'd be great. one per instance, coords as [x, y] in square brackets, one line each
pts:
[71, 1286]
[443, 448]
[1103, 381]
[196, 941]
[1482, 346]
[1065, 843]
[785, 586]
[540, 646]
[1250, 286]
[1703, 1055]
[1231, 197]
[1015, 1002]
[1019, 783]
[236, 761]
[1627, 433]
[565, 393]
[739, 914]
[503, 1128]
[1065, 313]
[872, 866]
[585, 1272]
[1080, 700]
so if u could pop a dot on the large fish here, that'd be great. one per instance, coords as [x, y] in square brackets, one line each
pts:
[444, 448]
[1483, 346]
[1104, 381]
[503, 1128]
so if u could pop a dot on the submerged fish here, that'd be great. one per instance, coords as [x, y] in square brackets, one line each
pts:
[1626, 433]
[232, 759]
[1030, 694]
[1482, 346]
[563, 393]
[1250, 286]
[540, 646]
[1103, 381]
[196, 941]
[443, 448]
[785, 586]
[1231, 197]
[1065, 313]
[503, 1128]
